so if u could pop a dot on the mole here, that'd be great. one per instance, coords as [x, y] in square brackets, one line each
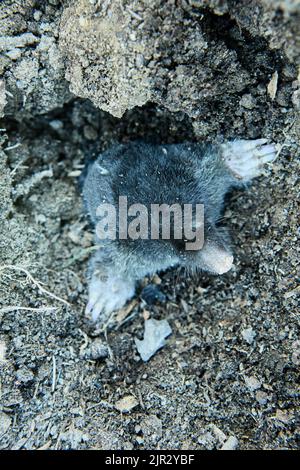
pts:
[144, 177]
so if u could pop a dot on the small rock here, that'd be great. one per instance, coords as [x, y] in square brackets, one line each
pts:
[5, 422]
[272, 86]
[97, 350]
[296, 353]
[231, 443]
[207, 440]
[2, 98]
[37, 15]
[248, 335]
[252, 383]
[282, 416]
[151, 427]
[296, 99]
[157, 280]
[154, 338]
[24, 375]
[218, 433]
[2, 351]
[139, 61]
[262, 397]
[56, 124]
[248, 102]
[73, 437]
[126, 404]
[14, 54]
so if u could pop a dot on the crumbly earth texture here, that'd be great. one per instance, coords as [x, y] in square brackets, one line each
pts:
[229, 373]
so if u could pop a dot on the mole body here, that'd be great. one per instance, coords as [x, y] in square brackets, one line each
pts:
[144, 174]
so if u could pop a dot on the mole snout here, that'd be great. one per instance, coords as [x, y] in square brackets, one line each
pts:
[158, 206]
[220, 262]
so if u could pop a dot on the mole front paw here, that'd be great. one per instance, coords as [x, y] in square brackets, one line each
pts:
[107, 293]
[246, 158]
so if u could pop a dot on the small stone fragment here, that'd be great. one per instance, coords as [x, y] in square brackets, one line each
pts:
[221, 437]
[282, 416]
[296, 99]
[247, 101]
[261, 397]
[5, 422]
[151, 427]
[56, 124]
[10, 42]
[231, 444]
[248, 335]
[154, 338]
[74, 437]
[14, 54]
[97, 350]
[207, 440]
[252, 383]
[2, 98]
[24, 375]
[296, 353]
[126, 404]
[2, 351]
[272, 86]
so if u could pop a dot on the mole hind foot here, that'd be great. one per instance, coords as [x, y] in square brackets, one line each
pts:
[107, 293]
[246, 158]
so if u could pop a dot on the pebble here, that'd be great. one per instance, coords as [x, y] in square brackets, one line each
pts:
[261, 397]
[248, 102]
[248, 335]
[296, 353]
[5, 422]
[2, 351]
[24, 375]
[272, 86]
[126, 404]
[221, 437]
[207, 440]
[14, 54]
[252, 383]
[139, 61]
[56, 124]
[154, 338]
[97, 350]
[151, 427]
[231, 443]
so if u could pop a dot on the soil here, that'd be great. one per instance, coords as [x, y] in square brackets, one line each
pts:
[229, 373]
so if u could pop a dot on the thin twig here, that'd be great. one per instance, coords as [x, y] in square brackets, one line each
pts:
[10, 308]
[34, 281]
[53, 373]
[11, 147]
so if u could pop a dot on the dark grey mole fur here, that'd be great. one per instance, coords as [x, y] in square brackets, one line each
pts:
[164, 174]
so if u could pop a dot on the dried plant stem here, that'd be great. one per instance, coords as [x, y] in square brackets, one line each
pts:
[10, 308]
[34, 281]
